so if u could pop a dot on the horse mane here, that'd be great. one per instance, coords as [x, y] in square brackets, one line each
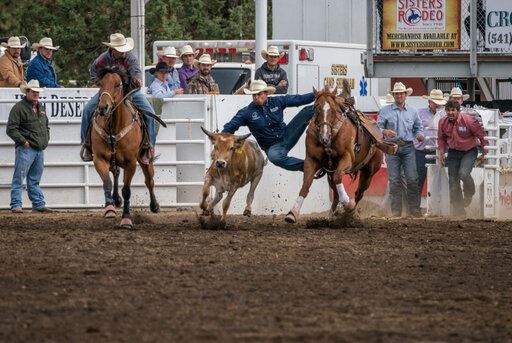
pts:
[109, 70]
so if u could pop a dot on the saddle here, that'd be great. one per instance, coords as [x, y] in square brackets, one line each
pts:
[368, 126]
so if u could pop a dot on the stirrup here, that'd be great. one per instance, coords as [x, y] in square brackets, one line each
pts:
[85, 153]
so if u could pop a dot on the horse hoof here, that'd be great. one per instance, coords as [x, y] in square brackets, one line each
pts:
[290, 218]
[155, 208]
[110, 211]
[206, 213]
[350, 206]
[247, 213]
[118, 202]
[126, 223]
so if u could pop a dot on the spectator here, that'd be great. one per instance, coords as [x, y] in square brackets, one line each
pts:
[11, 67]
[461, 134]
[187, 70]
[28, 128]
[456, 95]
[400, 124]
[264, 117]
[159, 87]
[271, 72]
[169, 56]
[429, 117]
[119, 55]
[41, 68]
[203, 83]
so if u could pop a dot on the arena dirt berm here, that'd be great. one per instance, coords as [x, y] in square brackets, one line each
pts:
[71, 277]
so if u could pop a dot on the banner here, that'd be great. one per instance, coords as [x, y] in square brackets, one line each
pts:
[421, 25]
[498, 24]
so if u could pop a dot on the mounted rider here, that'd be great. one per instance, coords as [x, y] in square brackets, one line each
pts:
[120, 56]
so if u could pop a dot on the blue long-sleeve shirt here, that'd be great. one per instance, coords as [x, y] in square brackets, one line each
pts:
[266, 122]
[42, 70]
[406, 123]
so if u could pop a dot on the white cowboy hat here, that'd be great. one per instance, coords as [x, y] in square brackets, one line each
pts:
[32, 85]
[399, 87]
[271, 51]
[187, 50]
[14, 42]
[120, 43]
[204, 59]
[436, 96]
[456, 91]
[388, 100]
[258, 86]
[45, 43]
[169, 51]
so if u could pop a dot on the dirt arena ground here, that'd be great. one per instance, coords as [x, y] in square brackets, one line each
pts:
[73, 276]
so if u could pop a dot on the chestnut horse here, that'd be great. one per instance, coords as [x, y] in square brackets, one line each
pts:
[116, 138]
[332, 144]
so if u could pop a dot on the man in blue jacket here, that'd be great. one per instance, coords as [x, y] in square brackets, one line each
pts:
[264, 117]
[41, 68]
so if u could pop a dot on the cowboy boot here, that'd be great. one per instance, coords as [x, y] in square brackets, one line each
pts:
[86, 153]
[147, 154]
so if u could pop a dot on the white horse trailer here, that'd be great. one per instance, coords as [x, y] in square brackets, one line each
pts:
[307, 63]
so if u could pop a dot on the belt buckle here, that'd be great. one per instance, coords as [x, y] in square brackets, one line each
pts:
[400, 142]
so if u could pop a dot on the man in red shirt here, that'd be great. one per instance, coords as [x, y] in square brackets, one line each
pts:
[461, 134]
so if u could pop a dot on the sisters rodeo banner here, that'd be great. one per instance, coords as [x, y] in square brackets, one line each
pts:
[421, 25]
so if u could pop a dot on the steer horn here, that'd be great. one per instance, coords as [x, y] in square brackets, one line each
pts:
[208, 133]
[241, 138]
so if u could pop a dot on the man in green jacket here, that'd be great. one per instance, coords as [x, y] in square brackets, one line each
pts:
[28, 128]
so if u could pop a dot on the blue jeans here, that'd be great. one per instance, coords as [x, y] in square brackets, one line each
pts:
[421, 167]
[278, 153]
[404, 158]
[28, 164]
[140, 102]
[460, 164]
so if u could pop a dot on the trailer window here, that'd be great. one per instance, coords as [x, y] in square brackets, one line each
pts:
[230, 79]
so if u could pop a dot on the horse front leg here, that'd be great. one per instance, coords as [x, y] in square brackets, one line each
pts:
[310, 167]
[344, 164]
[149, 173]
[103, 169]
[117, 198]
[129, 171]
[335, 197]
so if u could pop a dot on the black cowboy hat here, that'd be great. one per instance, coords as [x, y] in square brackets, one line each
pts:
[161, 66]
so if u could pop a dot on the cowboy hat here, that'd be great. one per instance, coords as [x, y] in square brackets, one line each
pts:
[170, 51]
[120, 43]
[45, 43]
[436, 96]
[14, 42]
[204, 59]
[388, 100]
[160, 67]
[187, 50]
[258, 86]
[456, 91]
[271, 51]
[32, 85]
[399, 87]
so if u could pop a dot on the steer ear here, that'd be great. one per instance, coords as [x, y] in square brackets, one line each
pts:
[210, 135]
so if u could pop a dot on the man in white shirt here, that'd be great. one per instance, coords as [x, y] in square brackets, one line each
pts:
[159, 87]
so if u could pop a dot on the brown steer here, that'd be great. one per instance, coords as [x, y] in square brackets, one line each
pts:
[235, 162]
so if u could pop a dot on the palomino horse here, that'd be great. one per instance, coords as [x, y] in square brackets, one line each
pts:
[332, 144]
[116, 138]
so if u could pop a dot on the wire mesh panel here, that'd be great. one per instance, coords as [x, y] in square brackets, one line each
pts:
[464, 11]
